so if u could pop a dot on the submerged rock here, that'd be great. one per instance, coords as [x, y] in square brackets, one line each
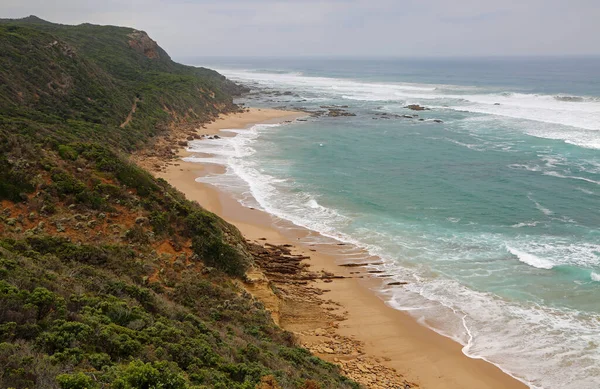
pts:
[335, 112]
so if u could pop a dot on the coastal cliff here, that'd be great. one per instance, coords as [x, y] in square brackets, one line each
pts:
[109, 277]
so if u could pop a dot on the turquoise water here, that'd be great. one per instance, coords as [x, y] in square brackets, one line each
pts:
[492, 217]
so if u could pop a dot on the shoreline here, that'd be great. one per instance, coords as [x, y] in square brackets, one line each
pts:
[385, 341]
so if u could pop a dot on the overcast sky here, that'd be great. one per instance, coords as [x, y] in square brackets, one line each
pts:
[188, 28]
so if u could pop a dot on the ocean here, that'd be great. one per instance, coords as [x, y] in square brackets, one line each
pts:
[491, 217]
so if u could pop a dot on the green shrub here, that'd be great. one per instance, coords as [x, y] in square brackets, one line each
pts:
[67, 152]
[13, 184]
[139, 375]
[66, 184]
[76, 381]
[46, 302]
[219, 254]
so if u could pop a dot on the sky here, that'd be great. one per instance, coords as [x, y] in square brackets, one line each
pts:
[281, 28]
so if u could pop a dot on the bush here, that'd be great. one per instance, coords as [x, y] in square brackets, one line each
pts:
[139, 375]
[67, 251]
[218, 254]
[66, 184]
[67, 152]
[12, 182]
[75, 381]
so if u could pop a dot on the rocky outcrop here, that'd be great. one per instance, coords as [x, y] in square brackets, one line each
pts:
[142, 43]
[416, 107]
[335, 112]
[290, 290]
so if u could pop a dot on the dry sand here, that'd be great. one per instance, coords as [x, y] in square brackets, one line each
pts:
[387, 336]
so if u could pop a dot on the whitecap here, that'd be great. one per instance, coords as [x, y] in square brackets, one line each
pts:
[544, 210]
[531, 259]
[530, 168]
[524, 224]
[558, 175]
[589, 192]
[563, 110]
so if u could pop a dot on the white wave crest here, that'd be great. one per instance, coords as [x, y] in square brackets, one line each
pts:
[523, 224]
[558, 175]
[573, 111]
[531, 259]
[540, 207]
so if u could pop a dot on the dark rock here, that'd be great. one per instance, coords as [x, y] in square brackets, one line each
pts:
[335, 112]
[333, 106]
[417, 107]
[438, 120]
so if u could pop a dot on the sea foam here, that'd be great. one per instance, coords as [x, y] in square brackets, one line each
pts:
[472, 318]
[531, 259]
[494, 328]
[579, 112]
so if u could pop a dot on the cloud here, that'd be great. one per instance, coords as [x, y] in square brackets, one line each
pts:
[341, 27]
[477, 18]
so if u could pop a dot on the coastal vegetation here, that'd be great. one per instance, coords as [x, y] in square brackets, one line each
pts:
[110, 278]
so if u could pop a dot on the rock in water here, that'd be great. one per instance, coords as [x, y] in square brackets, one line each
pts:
[416, 107]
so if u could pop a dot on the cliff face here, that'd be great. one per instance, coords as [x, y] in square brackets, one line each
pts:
[141, 42]
[110, 278]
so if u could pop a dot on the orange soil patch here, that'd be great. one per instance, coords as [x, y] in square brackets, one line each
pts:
[166, 248]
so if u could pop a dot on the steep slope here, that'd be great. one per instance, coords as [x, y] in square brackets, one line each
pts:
[110, 278]
[85, 76]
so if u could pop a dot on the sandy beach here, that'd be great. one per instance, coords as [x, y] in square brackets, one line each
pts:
[350, 325]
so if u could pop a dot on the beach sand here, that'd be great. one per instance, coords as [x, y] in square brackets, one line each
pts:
[383, 346]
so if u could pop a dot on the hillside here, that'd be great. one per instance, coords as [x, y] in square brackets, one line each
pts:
[110, 278]
[89, 77]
